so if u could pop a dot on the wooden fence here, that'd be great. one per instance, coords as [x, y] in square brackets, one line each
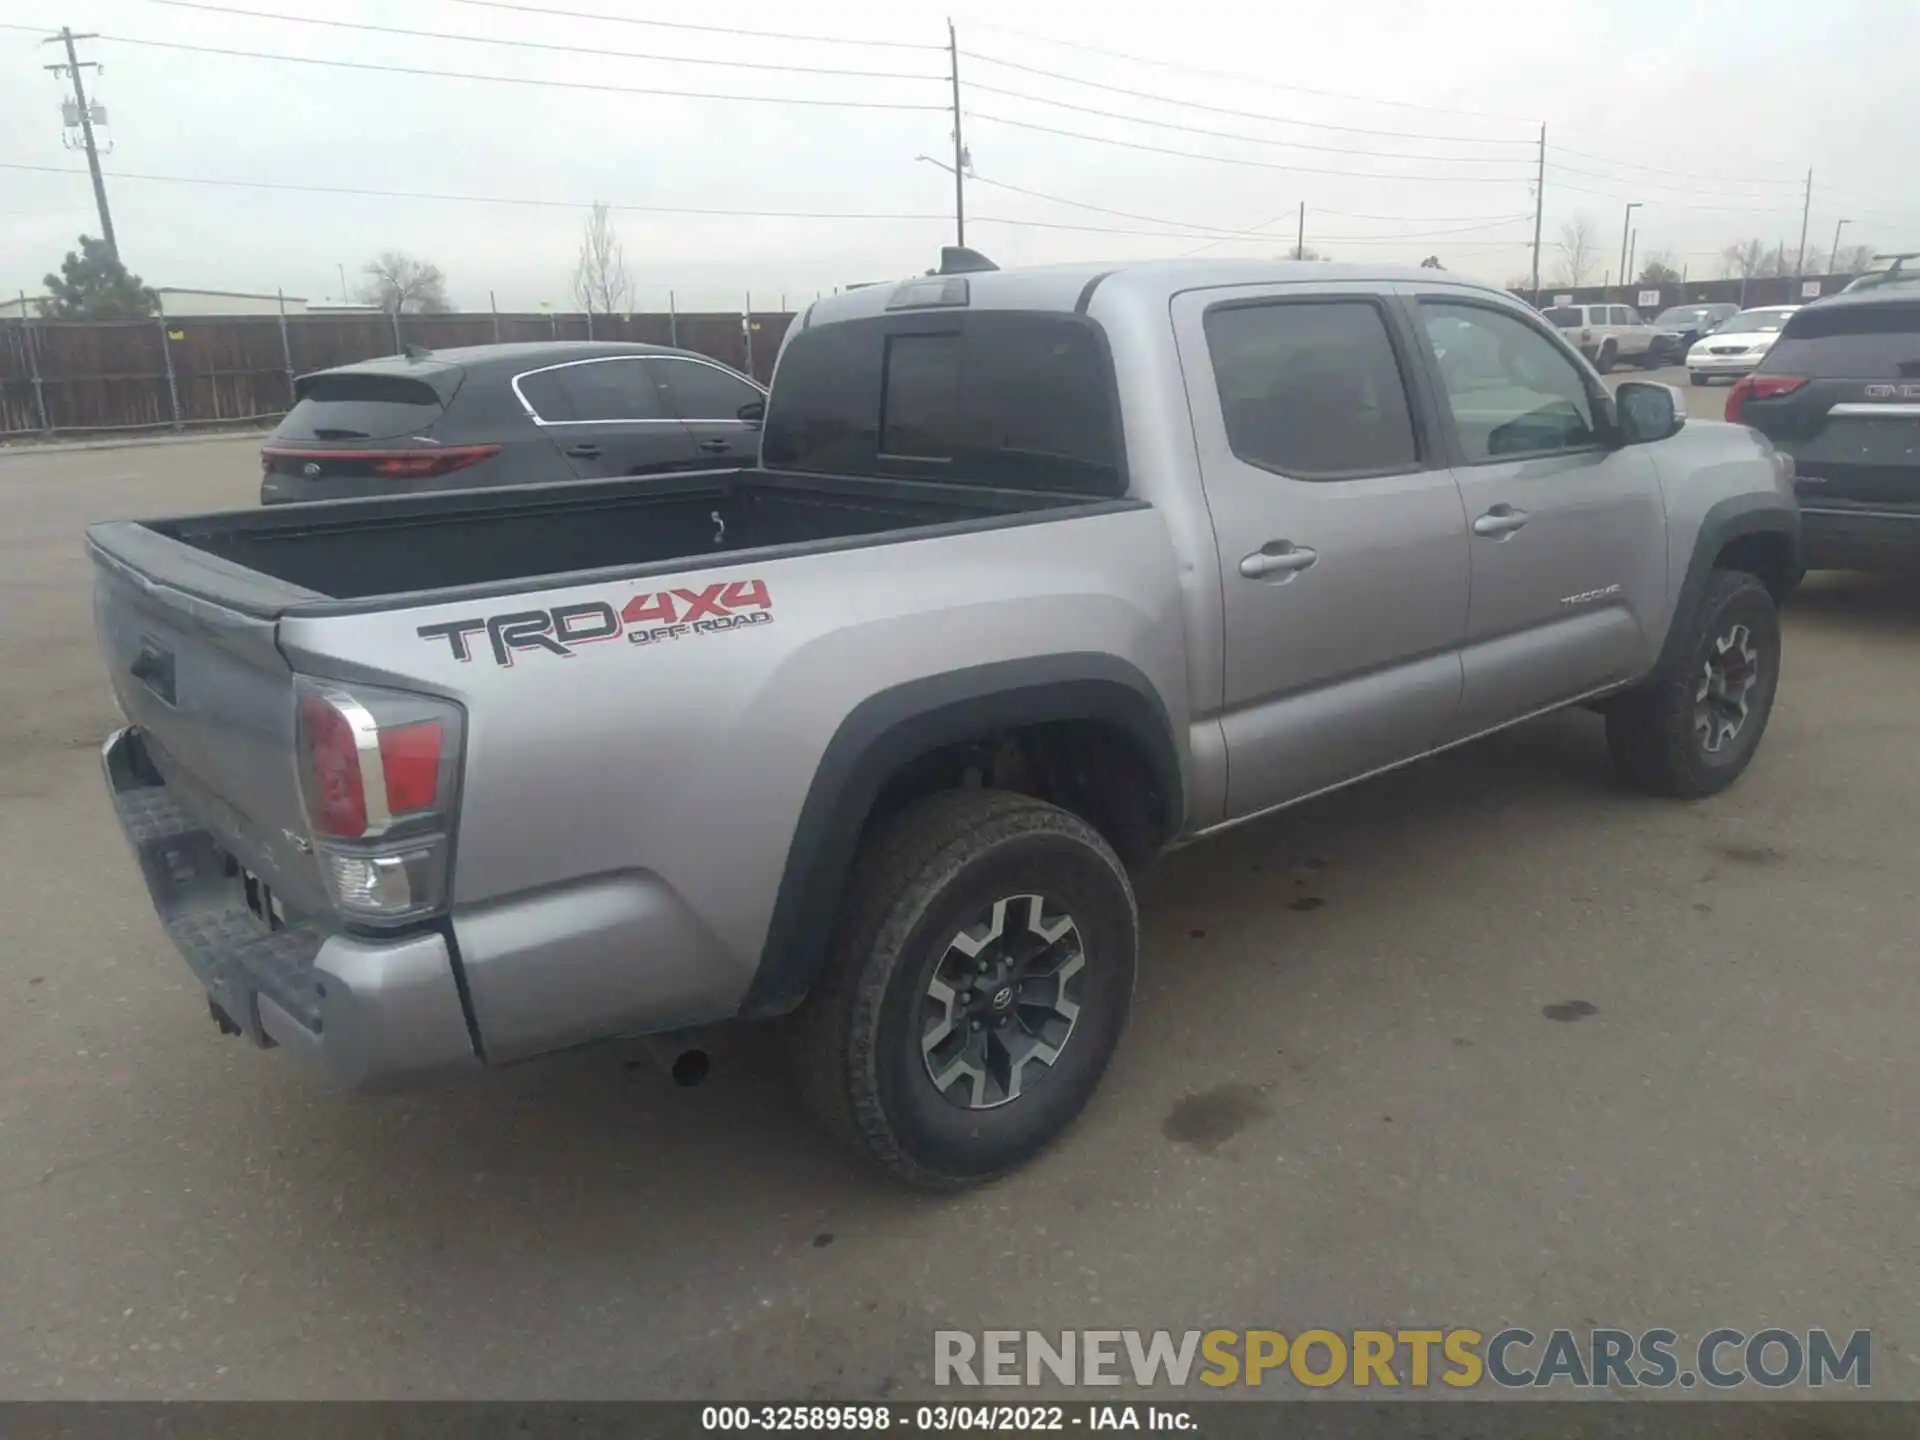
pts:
[65, 375]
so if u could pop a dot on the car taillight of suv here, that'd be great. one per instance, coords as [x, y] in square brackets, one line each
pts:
[1758, 387]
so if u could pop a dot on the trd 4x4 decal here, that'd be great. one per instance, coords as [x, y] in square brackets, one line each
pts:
[649, 617]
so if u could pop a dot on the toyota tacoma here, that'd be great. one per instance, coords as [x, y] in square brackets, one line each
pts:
[1040, 573]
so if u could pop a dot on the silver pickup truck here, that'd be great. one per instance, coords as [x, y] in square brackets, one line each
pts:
[1043, 572]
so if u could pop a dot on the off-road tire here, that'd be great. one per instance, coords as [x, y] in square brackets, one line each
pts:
[859, 1036]
[1652, 732]
[1603, 362]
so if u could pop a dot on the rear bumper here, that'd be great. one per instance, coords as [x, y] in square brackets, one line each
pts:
[1861, 539]
[372, 1013]
[1724, 364]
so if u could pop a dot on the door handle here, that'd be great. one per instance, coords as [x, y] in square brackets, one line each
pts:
[1500, 522]
[1277, 557]
[715, 446]
[585, 450]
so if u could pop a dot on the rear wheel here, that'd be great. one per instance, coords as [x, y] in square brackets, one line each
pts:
[1692, 731]
[1603, 362]
[980, 978]
[1650, 358]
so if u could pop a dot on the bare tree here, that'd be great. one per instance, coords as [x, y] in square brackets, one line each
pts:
[1745, 258]
[401, 284]
[1303, 252]
[1432, 262]
[1852, 259]
[1579, 249]
[601, 284]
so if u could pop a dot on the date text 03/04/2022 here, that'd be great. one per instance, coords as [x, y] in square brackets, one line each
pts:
[945, 1419]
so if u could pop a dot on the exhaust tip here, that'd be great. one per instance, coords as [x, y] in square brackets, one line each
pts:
[689, 1068]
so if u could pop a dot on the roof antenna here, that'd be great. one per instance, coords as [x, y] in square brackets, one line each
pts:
[415, 352]
[963, 260]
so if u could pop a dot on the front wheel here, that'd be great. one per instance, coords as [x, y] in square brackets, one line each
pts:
[1604, 361]
[1692, 731]
[980, 977]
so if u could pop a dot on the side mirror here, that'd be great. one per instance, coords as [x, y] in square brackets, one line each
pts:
[1645, 412]
[753, 412]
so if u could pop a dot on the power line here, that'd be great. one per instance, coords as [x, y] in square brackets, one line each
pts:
[1235, 160]
[685, 25]
[535, 44]
[1180, 230]
[474, 199]
[1229, 233]
[512, 79]
[1227, 110]
[1728, 209]
[1236, 135]
[1245, 79]
[1660, 170]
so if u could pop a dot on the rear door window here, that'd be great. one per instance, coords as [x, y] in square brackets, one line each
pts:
[594, 391]
[361, 406]
[1850, 342]
[1009, 398]
[1311, 389]
[704, 392]
[1566, 317]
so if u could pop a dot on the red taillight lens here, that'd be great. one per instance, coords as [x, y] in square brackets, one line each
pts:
[1758, 387]
[391, 464]
[337, 796]
[410, 756]
[416, 463]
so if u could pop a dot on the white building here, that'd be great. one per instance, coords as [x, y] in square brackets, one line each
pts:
[176, 303]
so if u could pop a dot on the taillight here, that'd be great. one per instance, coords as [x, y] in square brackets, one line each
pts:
[378, 771]
[1758, 387]
[337, 795]
[390, 464]
[410, 756]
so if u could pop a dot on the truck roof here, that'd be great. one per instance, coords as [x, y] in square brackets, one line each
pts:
[1062, 287]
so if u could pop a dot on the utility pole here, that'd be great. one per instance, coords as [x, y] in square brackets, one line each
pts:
[1539, 209]
[72, 69]
[1626, 275]
[1833, 255]
[959, 146]
[1625, 221]
[343, 280]
[1300, 242]
[1806, 211]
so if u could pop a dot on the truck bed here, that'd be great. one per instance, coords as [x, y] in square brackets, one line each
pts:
[263, 561]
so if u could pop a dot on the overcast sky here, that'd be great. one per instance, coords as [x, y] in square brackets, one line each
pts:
[1708, 111]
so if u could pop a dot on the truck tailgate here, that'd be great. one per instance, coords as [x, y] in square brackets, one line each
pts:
[212, 696]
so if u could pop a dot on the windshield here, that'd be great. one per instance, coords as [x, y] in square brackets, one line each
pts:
[1565, 316]
[1685, 315]
[1756, 322]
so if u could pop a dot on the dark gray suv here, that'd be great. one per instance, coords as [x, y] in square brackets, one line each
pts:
[508, 415]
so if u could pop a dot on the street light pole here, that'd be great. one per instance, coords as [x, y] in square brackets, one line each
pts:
[1625, 221]
[1833, 255]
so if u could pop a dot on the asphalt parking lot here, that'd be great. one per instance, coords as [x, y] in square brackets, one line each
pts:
[1486, 1042]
